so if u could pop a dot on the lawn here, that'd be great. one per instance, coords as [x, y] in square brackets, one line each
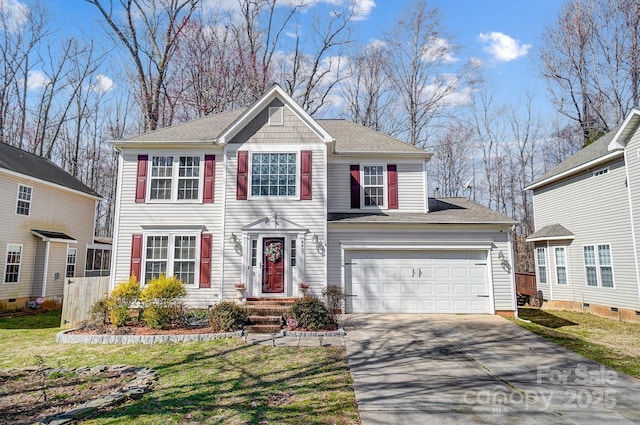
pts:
[221, 382]
[607, 341]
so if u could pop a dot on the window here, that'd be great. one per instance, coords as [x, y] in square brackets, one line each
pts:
[98, 261]
[12, 268]
[72, 253]
[561, 266]
[373, 185]
[276, 115]
[542, 265]
[598, 268]
[24, 200]
[292, 258]
[273, 174]
[254, 252]
[175, 178]
[600, 172]
[171, 255]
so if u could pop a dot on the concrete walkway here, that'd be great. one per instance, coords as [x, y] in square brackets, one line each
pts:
[477, 369]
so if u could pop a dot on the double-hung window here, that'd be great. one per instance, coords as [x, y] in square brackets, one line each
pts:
[541, 257]
[561, 266]
[12, 267]
[274, 174]
[23, 206]
[72, 254]
[373, 185]
[171, 255]
[175, 178]
[598, 264]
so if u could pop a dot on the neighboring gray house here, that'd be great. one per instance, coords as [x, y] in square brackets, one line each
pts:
[269, 197]
[48, 219]
[587, 213]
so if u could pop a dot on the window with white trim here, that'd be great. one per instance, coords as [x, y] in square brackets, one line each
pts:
[293, 253]
[23, 206]
[175, 178]
[541, 260]
[98, 261]
[373, 185]
[600, 172]
[276, 115]
[254, 252]
[561, 266]
[12, 267]
[274, 174]
[172, 254]
[598, 264]
[72, 254]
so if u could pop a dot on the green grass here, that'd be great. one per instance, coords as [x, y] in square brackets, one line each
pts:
[607, 341]
[220, 382]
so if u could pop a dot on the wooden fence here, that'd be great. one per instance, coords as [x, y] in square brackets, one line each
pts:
[80, 293]
[526, 284]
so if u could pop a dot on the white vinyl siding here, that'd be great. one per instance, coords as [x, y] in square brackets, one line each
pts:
[541, 264]
[561, 266]
[13, 260]
[23, 204]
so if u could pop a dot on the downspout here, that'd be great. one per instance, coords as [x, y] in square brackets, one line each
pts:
[512, 274]
[45, 268]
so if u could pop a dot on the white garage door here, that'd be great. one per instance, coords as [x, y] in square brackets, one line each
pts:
[417, 281]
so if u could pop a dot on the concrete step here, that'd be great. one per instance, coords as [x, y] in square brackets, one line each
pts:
[263, 329]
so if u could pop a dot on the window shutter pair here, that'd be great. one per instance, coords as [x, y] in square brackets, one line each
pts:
[205, 258]
[242, 185]
[209, 178]
[392, 186]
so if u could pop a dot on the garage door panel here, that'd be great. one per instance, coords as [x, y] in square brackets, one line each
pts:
[418, 281]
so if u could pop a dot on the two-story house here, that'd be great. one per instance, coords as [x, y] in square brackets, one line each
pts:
[48, 219]
[269, 197]
[586, 213]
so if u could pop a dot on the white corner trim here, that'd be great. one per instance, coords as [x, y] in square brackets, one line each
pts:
[615, 142]
[633, 227]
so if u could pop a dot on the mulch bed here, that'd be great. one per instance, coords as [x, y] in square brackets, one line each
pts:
[22, 393]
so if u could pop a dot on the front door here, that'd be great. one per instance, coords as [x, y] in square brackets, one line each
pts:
[273, 266]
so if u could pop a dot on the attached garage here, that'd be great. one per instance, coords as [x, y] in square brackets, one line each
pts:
[418, 281]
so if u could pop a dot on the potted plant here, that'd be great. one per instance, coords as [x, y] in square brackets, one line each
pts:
[242, 290]
[304, 288]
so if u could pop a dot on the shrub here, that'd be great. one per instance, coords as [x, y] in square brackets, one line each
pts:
[311, 314]
[121, 299]
[99, 313]
[161, 299]
[335, 299]
[227, 317]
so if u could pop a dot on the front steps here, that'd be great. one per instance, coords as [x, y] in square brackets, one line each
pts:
[267, 315]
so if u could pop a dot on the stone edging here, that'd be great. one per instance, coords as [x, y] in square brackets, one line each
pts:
[297, 334]
[65, 337]
[141, 382]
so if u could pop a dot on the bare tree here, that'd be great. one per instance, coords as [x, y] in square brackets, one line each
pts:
[451, 165]
[148, 32]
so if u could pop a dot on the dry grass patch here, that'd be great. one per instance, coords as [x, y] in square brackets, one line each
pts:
[610, 342]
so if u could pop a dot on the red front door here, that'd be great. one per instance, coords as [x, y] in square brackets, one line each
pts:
[273, 266]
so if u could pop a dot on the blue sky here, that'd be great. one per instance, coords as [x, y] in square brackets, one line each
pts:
[504, 34]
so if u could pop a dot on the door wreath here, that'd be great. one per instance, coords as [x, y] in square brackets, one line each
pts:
[274, 251]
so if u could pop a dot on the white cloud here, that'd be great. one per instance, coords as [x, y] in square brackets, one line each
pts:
[502, 47]
[15, 14]
[438, 50]
[362, 9]
[103, 84]
[36, 80]
[475, 61]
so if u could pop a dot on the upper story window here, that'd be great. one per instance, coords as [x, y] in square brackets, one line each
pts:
[23, 206]
[598, 265]
[373, 185]
[541, 260]
[12, 267]
[273, 174]
[600, 172]
[175, 178]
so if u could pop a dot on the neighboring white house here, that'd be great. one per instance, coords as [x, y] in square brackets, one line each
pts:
[48, 219]
[587, 213]
[269, 197]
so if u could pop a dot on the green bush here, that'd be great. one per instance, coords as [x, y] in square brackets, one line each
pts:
[311, 314]
[227, 317]
[121, 299]
[161, 300]
[99, 313]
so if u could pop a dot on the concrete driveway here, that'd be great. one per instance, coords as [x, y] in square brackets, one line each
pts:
[477, 369]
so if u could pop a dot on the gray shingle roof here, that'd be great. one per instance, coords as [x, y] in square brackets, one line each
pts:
[595, 150]
[441, 211]
[28, 164]
[551, 232]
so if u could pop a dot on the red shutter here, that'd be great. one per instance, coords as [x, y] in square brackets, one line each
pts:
[305, 176]
[355, 186]
[243, 175]
[141, 179]
[136, 257]
[392, 183]
[209, 178]
[205, 260]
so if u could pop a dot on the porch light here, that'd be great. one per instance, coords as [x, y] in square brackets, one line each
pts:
[233, 239]
[314, 239]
